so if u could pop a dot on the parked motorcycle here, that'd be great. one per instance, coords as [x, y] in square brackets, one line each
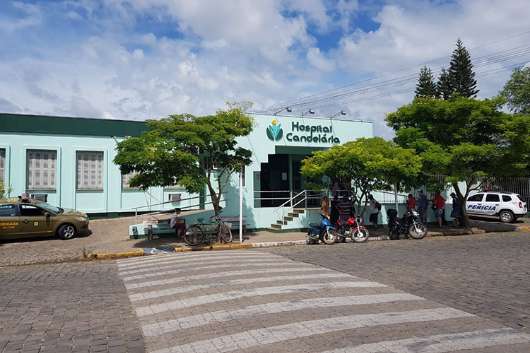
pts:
[352, 228]
[324, 232]
[409, 225]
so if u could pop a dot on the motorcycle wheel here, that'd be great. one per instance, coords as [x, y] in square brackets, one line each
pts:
[329, 237]
[418, 231]
[360, 236]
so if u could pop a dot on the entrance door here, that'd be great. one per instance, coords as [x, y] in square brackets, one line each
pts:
[274, 181]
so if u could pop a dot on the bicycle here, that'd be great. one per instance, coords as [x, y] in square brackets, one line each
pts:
[202, 233]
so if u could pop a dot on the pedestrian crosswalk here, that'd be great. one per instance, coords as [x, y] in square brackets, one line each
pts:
[251, 301]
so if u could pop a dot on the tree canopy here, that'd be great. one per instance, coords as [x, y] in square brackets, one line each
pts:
[426, 87]
[517, 91]
[189, 151]
[366, 164]
[464, 139]
[461, 73]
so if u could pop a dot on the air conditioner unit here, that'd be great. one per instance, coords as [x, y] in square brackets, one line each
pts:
[175, 197]
[39, 197]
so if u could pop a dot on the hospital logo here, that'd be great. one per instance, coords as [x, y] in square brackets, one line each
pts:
[274, 130]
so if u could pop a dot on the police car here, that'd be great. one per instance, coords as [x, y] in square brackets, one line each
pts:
[505, 206]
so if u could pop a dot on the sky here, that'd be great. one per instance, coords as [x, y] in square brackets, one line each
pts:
[140, 59]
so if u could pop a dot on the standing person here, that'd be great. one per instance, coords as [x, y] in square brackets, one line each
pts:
[324, 207]
[411, 203]
[456, 213]
[439, 206]
[423, 204]
[335, 212]
[375, 207]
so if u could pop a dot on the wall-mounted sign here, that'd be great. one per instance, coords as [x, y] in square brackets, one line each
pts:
[308, 133]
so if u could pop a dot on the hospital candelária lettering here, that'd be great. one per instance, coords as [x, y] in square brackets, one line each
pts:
[311, 134]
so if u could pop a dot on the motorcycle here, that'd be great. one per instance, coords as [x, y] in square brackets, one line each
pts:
[353, 229]
[409, 225]
[324, 232]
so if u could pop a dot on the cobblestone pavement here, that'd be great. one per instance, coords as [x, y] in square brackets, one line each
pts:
[487, 275]
[69, 307]
[255, 301]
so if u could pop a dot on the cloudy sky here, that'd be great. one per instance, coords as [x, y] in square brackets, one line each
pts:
[138, 59]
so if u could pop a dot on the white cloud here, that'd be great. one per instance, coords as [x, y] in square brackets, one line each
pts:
[242, 50]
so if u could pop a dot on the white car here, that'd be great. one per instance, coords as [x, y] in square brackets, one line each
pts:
[505, 206]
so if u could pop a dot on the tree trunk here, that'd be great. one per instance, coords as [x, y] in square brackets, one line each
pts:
[216, 199]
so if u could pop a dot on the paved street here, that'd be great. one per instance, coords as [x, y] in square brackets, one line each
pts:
[450, 294]
[69, 307]
[250, 301]
[488, 275]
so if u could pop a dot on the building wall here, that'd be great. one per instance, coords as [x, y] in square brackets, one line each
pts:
[261, 146]
[111, 199]
[114, 199]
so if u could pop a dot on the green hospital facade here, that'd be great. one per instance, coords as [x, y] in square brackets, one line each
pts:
[69, 163]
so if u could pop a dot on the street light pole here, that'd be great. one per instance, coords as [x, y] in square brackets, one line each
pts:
[241, 205]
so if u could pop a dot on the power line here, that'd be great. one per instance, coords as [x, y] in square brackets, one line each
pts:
[492, 57]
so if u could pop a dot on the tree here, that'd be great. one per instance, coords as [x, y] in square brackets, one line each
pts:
[517, 91]
[461, 72]
[366, 164]
[426, 86]
[467, 140]
[189, 151]
[444, 86]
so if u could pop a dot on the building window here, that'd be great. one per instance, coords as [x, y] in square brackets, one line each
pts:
[89, 166]
[41, 166]
[2, 164]
[126, 181]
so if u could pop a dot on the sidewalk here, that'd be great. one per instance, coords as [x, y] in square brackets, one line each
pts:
[110, 238]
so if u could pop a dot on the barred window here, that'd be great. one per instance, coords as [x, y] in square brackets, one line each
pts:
[2, 164]
[126, 181]
[41, 168]
[89, 166]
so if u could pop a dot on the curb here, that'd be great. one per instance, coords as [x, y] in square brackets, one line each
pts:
[115, 255]
[268, 244]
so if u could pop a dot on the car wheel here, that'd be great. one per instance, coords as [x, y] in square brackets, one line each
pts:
[506, 216]
[67, 231]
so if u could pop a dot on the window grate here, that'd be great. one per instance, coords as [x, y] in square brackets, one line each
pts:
[41, 169]
[89, 169]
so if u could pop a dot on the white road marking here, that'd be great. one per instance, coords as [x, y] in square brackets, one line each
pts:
[189, 263]
[442, 343]
[275, 334]
[184, 289]
[188, 254]
[161, 282]
[159, 272]
[237, 294]
[208, 257]
[161, 328]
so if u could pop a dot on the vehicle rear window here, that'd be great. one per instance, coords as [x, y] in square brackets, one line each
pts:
[477, 197]
[492, 198]
[8, 211]
[506, 198]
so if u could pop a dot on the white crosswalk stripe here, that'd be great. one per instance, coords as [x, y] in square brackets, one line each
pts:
[161, 272]
[274, 334]
[214, 276]
[184, 289]
[193, 262]
[442, 343]
[247, 301]
[254, 310]
[218, 297]
[191, 258]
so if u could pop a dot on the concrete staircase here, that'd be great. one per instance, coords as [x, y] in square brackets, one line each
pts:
[281, 223]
